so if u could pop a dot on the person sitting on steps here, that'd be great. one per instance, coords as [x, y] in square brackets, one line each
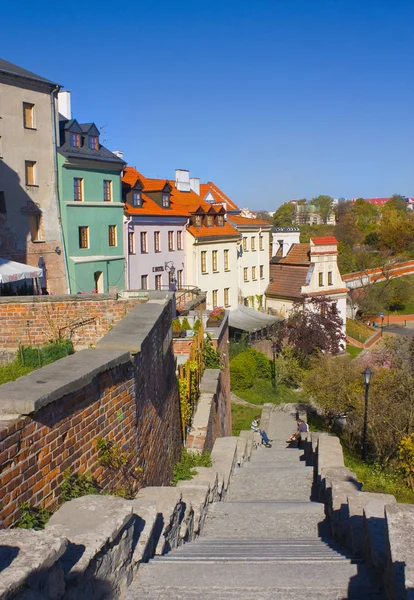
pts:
[255, 427]
[301, 428]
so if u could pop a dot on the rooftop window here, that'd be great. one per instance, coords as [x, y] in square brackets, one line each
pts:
[94, 142]
[75, 140]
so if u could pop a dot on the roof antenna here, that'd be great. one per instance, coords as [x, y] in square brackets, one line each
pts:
[103, 133]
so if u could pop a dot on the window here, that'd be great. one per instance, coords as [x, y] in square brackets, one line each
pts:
[136, 199]
[330, 278]
[112, 235]
[180, 279]
[107, 190]
[83, 237]
[144, 282]
[320, 276]
[157, 246]
[210, 221]
[165, 200]
[226, 296]
[204, 262]
[36, 228]
[198, 220]
[30, 168]
[144, 245]
[245, 244]
[220, 221]
[260, 242]
[253, 243]
[254, 273]
[3, 208]
[75, 140]
[170, 240]
[28, 115]
[179, 240]
[261, 271]
[226, 260]
[214, 298]
[214, 256]
[246, 273]
[93, 142]
[158, 280]
[77, 189]
[131, 242]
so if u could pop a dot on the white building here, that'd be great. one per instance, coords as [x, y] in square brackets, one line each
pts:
[300, 271]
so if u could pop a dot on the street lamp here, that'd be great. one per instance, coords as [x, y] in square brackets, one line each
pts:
[274, 351]
[367, 375]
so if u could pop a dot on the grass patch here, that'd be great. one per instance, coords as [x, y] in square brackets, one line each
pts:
[378, 480]
[358, 331]
[263, 391]
[242, 416]
[13, 371]
[353, 351]
[185, 469]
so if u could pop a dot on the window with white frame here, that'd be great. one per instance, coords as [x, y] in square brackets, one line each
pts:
[158, 282]
[170, 241]
[214, 298]
[131, 242]
[157, 243]
[144, 242]
[179, 240]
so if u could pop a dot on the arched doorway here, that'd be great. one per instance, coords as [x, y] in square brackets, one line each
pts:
[99, 283]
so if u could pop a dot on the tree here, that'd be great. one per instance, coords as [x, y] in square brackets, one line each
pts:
[284, 215]
[347, 230]
[324, 205]
[367, 215]
[397, 202]
[314, 325]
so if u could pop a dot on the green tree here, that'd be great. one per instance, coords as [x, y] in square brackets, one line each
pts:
[367, 215]
[284, 215]
[397, 202]
[324, 206]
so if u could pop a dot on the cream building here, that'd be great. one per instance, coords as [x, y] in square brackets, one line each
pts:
[300, 271]
[30, 230]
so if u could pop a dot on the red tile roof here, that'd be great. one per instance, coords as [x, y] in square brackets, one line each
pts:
[327, 240]
[237, 220]
[218, 194]
[299, 254]
[203, 232]
[286, 281]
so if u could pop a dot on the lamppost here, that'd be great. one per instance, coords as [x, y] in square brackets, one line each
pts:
[367, 375]
[274, 351]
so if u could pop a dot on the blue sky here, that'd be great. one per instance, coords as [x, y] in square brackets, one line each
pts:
[270, 99]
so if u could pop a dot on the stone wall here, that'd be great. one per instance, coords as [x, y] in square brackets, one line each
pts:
[371, 525]
[93, 546]
[125, 391]
[82, 318]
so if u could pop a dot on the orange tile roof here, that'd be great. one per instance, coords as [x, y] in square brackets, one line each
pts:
[238, 220]
[202, 232]
[149, 207]
[299, 254]
[326, 240]
[218, 194]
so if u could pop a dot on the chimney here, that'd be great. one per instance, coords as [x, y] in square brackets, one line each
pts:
[182, 180]
[64, 104]
[195, 184]
[284, 238]
[118, 153]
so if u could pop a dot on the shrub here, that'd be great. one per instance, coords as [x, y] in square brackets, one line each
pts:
[185, 325]
[176, 325]
[242, 371]
[32, 517]
[185, 468]
[75, 485]
[211, 355]
[120, 462]
[43, 355]
[197, 325]
[263, 364]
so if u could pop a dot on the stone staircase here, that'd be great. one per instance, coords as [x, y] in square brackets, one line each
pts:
[268, 541]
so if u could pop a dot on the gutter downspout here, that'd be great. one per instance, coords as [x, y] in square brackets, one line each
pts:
[127, 220]
[59, 214]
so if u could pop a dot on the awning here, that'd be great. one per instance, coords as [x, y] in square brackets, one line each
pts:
[251, 320]
[14, 271]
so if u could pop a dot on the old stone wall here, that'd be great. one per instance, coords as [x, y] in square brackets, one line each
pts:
[82, 318]
[124, 391]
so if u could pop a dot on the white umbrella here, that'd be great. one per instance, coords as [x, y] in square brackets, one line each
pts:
[14, 271]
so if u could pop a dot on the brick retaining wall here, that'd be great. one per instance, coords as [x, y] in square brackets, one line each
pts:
[66, 406]
[83, 318]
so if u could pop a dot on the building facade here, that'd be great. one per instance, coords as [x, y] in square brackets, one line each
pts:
[301, 271]
[91, 207]
[30, 230]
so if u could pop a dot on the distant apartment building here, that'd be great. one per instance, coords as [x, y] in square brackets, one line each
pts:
[30, 229]
[308, 214]
[91, 206]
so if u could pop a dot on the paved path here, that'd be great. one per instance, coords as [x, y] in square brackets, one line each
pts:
[268, 541]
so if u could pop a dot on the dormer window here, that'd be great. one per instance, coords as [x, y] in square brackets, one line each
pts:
[220, 221]
[165, 200]
[93, 142]
[210, 221]
[136, 199]
[198, 221]
[75, 140]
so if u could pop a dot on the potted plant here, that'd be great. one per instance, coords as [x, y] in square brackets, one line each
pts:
[216, 316]
[176, 329]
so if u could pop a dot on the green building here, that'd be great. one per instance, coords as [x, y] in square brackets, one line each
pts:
[91, 209]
